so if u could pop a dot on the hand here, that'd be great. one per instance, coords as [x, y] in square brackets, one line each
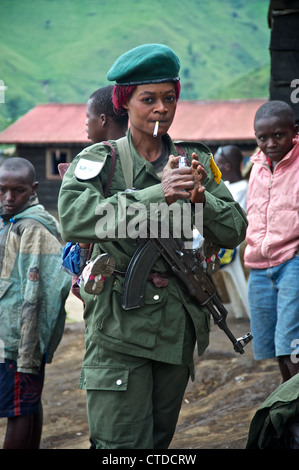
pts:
[183, 183]
[200, 174]
[84, 245]
[176, 182]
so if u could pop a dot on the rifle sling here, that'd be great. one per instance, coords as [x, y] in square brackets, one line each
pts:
[126, 161]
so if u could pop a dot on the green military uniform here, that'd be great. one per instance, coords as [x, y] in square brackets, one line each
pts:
[123, 348]
[271, 425]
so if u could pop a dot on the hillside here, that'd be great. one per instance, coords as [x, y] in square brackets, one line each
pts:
[60, 50]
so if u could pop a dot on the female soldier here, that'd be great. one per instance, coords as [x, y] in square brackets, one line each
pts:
[138, 362]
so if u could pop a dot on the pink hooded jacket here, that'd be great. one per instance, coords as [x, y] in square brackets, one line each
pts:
[273, 210]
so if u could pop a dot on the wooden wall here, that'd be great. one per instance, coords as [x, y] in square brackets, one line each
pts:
[48, 188]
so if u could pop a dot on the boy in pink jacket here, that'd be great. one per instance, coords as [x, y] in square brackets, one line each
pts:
[272, 251]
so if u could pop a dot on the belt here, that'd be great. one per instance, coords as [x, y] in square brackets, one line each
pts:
[160, 280]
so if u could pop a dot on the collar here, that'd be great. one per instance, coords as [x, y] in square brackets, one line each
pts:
[140, 162]
[270, 163]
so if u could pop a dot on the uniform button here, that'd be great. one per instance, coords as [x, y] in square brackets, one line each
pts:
[119, 382]
[156, 297]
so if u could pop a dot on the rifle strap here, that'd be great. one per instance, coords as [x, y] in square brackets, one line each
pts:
[124, 153]
[126, 161]
[126, 164]
[113, 158]
[127, 167]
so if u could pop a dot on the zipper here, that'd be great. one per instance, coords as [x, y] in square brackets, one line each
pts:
[267, 214]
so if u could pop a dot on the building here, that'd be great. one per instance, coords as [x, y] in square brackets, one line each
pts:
[54, 133]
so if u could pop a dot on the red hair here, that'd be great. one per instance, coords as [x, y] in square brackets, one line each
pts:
[121, 94]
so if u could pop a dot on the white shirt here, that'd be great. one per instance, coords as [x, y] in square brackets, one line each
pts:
[239, 191]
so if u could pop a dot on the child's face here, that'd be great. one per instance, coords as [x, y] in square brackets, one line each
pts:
[15, 190]
[274, 137]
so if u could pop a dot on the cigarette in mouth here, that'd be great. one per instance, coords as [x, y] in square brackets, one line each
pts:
[155, 133]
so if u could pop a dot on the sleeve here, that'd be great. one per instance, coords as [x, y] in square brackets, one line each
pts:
[39, 258]
[29, 355]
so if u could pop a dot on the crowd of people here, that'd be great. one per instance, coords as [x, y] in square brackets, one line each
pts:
[138, 361]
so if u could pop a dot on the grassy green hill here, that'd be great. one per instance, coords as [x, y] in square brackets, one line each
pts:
[61, 50]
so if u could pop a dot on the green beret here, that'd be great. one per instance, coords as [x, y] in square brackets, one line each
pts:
[149, 63]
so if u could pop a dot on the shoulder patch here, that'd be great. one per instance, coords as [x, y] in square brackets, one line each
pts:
[33, 274]
[87, 169]
[215, 170]
[194, 143]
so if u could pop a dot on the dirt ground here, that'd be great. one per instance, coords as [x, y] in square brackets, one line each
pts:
[217, 408]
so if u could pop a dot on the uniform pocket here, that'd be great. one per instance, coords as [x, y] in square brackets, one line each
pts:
[108, 406]
[104, 378]
[138, 326]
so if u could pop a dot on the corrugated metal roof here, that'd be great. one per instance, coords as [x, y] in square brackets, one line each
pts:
[56, 123]
[48, 123]
[215, 120]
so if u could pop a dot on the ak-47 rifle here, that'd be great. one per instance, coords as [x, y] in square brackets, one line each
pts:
[187, 267]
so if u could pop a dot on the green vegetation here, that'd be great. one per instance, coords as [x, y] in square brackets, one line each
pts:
[61, 50]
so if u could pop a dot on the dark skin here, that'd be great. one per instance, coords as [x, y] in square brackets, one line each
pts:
[275, 139]
[287, 368]
[227, 161]
[15, 189]
[22, 432]
[183, 183]
[101, 127]
[157, 102]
